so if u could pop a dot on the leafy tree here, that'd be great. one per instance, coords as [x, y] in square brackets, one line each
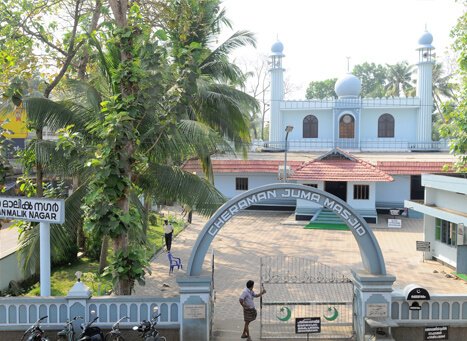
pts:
[321, 89]
[456, 127]
[443, 88]
[373, 77]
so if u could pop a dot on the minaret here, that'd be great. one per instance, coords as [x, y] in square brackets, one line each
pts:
[425, 89]
[276, 130]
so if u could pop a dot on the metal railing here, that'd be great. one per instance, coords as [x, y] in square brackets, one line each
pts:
[18, 313]
[330, 103]
[350, 144]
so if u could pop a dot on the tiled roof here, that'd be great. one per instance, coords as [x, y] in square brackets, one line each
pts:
[338, 165]
[411, 167]
[241, 166]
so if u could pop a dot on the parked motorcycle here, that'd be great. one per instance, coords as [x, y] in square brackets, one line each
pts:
[35, 333]
[147, 329]
[68, 333]
[115, 334]
[90, 332]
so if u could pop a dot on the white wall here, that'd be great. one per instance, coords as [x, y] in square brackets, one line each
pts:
[361, 204]
[405, 120]
[356, 204]
[10, 270]
[225, 182]
[441, 251]
[395, 191]
[295, 118]
[451, 200]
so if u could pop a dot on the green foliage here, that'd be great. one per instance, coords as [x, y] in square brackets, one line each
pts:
[130, 264]
[5, 151]
[399, 80]
[373, 77]
[456, 127]
[321, 89]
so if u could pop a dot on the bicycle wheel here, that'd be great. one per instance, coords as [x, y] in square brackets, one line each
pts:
[114, 337]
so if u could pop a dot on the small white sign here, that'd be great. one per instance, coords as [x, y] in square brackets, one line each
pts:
[376, 310]
[394, 223]
[33, 209]
[194, 311]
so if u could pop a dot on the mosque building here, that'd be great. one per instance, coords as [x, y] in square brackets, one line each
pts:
[351, 122]
[369, 152]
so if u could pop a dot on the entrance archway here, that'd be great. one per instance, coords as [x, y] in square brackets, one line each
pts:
[370, 251]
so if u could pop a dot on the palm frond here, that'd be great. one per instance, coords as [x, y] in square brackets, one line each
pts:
[45, 112]
[187, 189]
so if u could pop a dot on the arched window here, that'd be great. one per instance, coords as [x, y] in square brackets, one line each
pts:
[386, 125]
[346, 127]
[310, 127]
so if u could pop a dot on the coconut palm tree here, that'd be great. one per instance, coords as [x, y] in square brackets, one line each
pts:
[213, 80]
[399, 78]
[443, 89]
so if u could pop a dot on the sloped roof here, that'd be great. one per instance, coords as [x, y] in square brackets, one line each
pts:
[338, 165]
[412, 167]
[241, 166]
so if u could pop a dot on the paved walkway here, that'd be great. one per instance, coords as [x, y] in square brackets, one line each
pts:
[251, 235]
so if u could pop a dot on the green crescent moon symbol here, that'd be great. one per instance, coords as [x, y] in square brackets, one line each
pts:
[287, 315]
[334, 315]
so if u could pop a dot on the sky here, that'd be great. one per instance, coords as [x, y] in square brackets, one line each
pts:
[319, 35]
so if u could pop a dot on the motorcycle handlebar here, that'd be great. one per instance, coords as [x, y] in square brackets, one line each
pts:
[118, 322]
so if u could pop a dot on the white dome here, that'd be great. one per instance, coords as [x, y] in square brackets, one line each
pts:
[348, 86]
[277, 48]
[425, 40]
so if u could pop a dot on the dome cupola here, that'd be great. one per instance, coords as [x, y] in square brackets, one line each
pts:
[277, 49]
[424, 42]
[348, 86]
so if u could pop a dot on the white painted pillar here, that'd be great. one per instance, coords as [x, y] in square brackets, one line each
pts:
[425, 92]
[44, 234]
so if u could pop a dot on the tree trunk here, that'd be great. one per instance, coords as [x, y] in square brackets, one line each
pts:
[103, 254]
[84, 60]
[80, 239]
[147, 210]
[127, 88]
[39, 171]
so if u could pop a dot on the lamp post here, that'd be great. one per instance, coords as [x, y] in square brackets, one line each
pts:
[288, 129]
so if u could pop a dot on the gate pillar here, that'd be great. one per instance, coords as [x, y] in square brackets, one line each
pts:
[372, 306]
[195, 307]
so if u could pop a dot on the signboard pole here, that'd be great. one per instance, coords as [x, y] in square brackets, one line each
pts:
[44, 234]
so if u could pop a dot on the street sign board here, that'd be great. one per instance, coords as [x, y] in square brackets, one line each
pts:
[304, 325]
[394, 223]
[423, 246]
[436, 333]
[33, 209]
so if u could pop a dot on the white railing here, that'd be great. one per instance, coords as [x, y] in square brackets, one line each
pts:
[18, 313]
[351, 144]
[330, 103]
[442, 309]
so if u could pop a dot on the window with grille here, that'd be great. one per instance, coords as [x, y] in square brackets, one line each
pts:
[386, 126]
[346, 127]
[241, 184]
[361, 192]
[310, 127]
[445, 232]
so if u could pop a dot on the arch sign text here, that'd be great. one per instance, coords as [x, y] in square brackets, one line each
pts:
[370, 251]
